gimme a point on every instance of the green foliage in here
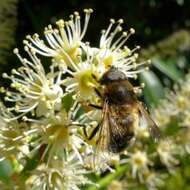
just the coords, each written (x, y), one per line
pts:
(153, 90)
(6, 170)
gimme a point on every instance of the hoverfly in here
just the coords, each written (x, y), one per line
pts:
(121, 113)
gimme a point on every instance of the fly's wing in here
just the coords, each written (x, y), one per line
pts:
(120, 127)
(116, 129)
(103, 136)
(153, 128)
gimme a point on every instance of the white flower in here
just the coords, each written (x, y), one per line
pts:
(84, 80)
(94, 62)
(176, 104)
(162, 114)
(64, 174)
(167, 151)
(154, 180)
(113, 52)
(56, 135)
(35, 90)
(139, 162)
(13, 140)
(64, 42)
(100, 161)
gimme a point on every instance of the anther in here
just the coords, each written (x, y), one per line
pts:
(50, 26)
(124, 34)
(60, 23)
(24, 118)
(28, 37)
(26, 48)
(71, 17)
(13, 71)
(25, 42)
(132, 30)
(35, 36)
(112, 20)
(4, 75)
(76, 13)
(119, 28)
(16, 51)
(120, 21)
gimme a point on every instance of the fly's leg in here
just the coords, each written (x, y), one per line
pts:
(95, 106)
(95, 130)
(95, 89)
(93, 133)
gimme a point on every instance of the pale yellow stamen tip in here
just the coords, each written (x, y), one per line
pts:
(124, 34)
(2, 90)
(120, 21)
(24, 118)
(112, 20)
(119, 28)
(87, 43)
(13, 71)
(91, 10)
(132, 30)
(4, 75)
(60, 23)
(25, 42)
(33, 51)
(35, 36)
(50, 27)
(16, 51)
(26, 48)
(71, 17)
(28, 37)
(76, 13)
(88, 10)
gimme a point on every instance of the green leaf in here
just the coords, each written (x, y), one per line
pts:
(168, 67)
(153, 90)
(6, 170)
(67, 102)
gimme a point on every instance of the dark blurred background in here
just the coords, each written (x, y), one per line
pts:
(152, 19)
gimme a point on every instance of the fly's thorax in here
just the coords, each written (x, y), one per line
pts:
(117, 93)
(112, 75)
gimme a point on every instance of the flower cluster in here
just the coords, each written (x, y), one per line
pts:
(48, 117)
(175, 105)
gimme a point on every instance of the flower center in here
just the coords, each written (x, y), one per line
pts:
(86, 81)
(58, 133)
(68, 56)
